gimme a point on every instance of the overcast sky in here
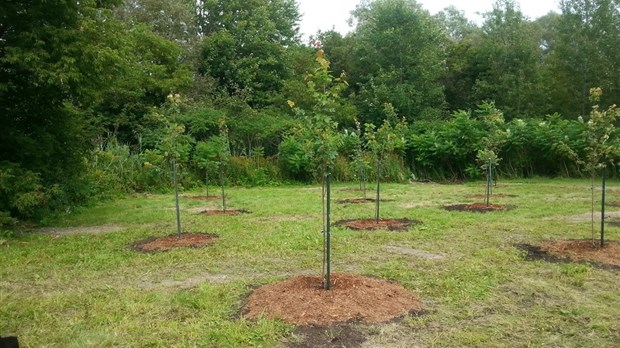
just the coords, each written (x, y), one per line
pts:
(328, 14)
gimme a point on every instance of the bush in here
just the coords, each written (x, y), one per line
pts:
(248, 171)
(22, 194)
(293, 159)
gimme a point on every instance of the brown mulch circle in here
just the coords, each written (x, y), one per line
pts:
(578, 251)
(371, 224)
(337, 335)
(203, 198)
(494, 195)
(477, 207)
(187, 240)
(361, 200)
(613, 204)
(226, 212)
(303, 301)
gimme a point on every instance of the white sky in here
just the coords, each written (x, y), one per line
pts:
(328, 14)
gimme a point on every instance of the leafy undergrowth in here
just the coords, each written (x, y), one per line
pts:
(93, 290)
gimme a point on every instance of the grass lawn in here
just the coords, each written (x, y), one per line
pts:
(92, 290)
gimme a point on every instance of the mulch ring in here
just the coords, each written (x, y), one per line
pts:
(493, 195)
(225, 212)
(187, 240)
(477, 207)
(361, 200)
(579, 251)
(371, 224)
(203, 198)
(303, 301)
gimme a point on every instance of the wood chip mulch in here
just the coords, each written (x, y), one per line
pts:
(303, 301)
(188, 240)
(584, 250)
(371, 224)
(226, 212)
(477, 207)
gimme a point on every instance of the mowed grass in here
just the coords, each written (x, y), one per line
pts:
(93, 290)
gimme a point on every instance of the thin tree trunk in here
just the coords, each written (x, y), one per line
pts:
(328, 235)
(377, 193)
(488, 192)
(603, 209)
(222, 185)
(176, 195)
(323, 231)
(207, 181)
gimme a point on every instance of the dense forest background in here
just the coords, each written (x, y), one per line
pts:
(97, 96)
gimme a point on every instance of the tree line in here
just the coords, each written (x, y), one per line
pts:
(86, 90)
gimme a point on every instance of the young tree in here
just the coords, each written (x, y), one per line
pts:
(321, 140)
(382, 142)
(601, 149)
(222, 146)
(359, 163)
(496, 135)
(170, 144)
(205, 158)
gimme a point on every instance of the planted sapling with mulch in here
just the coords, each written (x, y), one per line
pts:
(580, 251)
(214, 155)
(187, 240)
(477, 207)
(386, 140)
(303, 301)
(602, 150)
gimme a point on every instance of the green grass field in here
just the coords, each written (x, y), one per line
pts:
(93, 290)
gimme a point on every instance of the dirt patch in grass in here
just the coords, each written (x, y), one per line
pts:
(61, 231)
(186, 240)
(495, 195)
(303, 301)
(613, 204)
(585, 250)
(417, 204)
(414, 252)
(188, 282)
(477, 207)
(586, 217)
(361, 200)
(225, 212)
(580, 251)
(371, 224)
(203, 198)
(338, 335)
